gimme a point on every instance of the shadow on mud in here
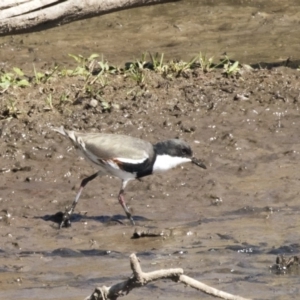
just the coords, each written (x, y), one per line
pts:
(293, 64)
(120, 219)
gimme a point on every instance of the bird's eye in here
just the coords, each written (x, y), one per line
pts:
(184, 151)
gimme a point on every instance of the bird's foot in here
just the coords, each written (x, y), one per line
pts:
(129, 216)
(123, 204)
(132, 222)
(66, 219)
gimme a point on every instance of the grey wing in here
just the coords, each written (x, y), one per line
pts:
(123, 148)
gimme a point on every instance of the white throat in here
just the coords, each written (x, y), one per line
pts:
(166, 162)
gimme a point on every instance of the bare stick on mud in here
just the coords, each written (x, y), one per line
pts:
(139, 279)
(25, 15)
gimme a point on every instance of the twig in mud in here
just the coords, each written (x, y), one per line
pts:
(139, 279)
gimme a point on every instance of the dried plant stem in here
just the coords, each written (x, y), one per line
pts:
(140, 278)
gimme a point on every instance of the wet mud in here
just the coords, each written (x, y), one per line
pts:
(224, 225)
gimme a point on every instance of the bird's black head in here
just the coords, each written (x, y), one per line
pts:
(175, 148)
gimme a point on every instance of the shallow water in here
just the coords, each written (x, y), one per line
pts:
(248, 31)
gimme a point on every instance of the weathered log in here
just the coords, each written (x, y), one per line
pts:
(140, 278)
(19, 16)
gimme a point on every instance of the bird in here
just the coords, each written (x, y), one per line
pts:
(126, 158)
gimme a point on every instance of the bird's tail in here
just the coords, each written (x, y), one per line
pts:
(68, 133)
(60, 130)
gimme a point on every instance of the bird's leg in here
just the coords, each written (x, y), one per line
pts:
(66, 222)
(123, 203)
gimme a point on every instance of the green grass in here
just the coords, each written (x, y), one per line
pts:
(92, 74)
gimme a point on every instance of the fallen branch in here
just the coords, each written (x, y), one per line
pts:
(23, 16)
(139, 279)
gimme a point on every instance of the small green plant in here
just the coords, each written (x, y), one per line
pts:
(101, 76)
(82, 68)
(158, 65)
(106, 106)
(65, 72)
(37, 75)
(136, 73)
(81, 60)
(64, 98)
(231, 68)
(136, 70)
(49, 104)
(43, 77)
(181, 67)
(13, 79)
(102, 79)
(100, 66)
(11, 110)
(206, 64)
(88, 67)
(140, 64)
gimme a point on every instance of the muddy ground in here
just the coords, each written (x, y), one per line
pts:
(224, 225)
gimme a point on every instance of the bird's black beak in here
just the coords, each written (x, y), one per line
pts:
(198, 162)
